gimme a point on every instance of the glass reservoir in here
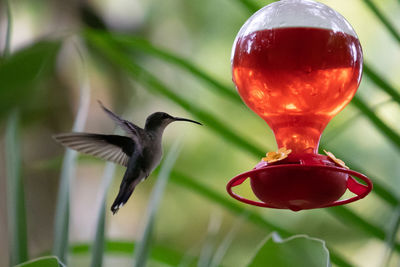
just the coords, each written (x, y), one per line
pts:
(297, 63)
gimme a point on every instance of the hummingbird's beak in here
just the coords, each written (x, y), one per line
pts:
(183, 119)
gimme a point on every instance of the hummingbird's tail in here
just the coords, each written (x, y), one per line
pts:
(124, 193)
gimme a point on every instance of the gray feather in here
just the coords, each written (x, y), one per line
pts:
(114, 148)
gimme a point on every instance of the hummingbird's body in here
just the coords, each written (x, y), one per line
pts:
(140, 151)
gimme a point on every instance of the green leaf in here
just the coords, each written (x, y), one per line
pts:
(381, 83)
(377, 122)
(341, 126)
(21, 71)
(99, 240)
(48, 261)
(143, 45)
(344, 213)
(385, 21)
(15, 194)
(142, 251)
(250, 5)
(61, 223)
(299, 250)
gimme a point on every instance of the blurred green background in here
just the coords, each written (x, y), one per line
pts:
(46, 85)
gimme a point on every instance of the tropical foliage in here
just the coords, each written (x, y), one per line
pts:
(145, 56)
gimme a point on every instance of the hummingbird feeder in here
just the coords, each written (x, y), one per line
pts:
(297, 63)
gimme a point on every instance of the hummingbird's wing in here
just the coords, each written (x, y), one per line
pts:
(115, 148)
(133, 130)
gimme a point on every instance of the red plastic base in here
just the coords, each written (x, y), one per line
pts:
(302, 181)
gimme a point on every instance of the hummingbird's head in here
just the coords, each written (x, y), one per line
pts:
(160, 120)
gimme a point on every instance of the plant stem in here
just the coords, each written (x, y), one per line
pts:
(15, 194)
(390, 239)
(6, 52)
(61, 224)
(99, 241)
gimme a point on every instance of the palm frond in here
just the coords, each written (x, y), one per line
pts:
(383, 19)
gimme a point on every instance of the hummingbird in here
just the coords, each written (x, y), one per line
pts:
(140, 151)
